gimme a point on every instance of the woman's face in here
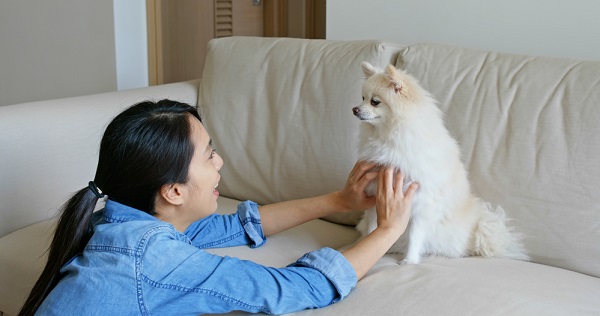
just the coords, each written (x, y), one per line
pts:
(203, 175)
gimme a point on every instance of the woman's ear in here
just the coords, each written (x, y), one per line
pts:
(172, 193)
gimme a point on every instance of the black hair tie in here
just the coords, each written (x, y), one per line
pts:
(94, 188)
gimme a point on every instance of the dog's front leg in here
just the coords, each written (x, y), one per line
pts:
(416, 243)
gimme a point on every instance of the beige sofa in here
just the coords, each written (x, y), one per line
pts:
(279, 113)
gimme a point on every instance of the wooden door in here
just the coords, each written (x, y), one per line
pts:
(295, 18)
(179, 30)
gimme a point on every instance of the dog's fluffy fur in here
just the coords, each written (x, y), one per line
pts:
(403, 127)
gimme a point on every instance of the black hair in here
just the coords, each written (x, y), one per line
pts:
(143, 148)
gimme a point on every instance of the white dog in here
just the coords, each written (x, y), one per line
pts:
(404, 128)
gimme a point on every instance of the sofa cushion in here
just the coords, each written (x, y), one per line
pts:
(465, 286)
(279, 112)
(438, 286)
(24, 254)
(528, 130)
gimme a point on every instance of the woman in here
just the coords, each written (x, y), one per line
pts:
(142, 254)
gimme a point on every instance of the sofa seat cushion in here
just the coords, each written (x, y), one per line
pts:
(22, 259)
(466, 286)
(438, 286)
(471, 286)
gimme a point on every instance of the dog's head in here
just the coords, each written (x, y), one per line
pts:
(385, 94)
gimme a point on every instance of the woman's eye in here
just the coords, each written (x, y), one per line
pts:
(375, 102)
(212, 154)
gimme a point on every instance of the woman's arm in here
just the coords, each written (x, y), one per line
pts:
(278, 217)
(393, 212)
(196, 282)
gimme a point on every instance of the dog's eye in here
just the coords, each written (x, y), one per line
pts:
(363, 98)
(375, 102)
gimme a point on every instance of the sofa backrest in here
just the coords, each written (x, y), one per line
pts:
(49, 149)
(279, 112)
(529, 131)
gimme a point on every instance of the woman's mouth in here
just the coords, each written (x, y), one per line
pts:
(215, 192)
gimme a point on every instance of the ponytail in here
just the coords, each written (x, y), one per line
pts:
(73, 232)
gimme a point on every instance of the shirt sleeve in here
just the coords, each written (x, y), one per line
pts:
(184, 279)
(334, 266)
(219, 231)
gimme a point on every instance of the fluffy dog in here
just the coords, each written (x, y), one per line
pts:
(403, 127)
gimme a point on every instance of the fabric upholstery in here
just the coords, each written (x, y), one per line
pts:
(279, 112)
(286, 104)
(528, 130)
(22, 260)
(50, 148)
(466, 286)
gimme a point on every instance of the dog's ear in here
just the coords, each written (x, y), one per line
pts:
(368, 69)
(392, 76)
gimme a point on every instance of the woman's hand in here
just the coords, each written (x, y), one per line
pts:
(393, 213)
(353, 194)
(393, 206)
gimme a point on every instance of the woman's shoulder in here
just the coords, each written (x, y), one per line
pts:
(133, 236)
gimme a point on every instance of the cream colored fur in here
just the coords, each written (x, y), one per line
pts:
(403, 127)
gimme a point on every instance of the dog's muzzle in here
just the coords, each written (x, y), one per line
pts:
(356, 111)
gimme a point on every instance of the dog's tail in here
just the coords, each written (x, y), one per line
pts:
(494, 238)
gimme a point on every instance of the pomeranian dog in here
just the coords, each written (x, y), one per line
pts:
(403, 127)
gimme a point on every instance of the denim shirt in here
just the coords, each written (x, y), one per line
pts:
(136, 264)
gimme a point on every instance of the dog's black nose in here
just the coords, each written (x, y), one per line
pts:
(355, 110)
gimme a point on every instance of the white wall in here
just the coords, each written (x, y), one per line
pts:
(568, 29)
(54, 49)
(131, 43)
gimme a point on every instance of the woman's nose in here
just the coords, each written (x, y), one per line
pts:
(218, 161)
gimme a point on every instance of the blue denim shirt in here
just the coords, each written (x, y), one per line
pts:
(137, 264)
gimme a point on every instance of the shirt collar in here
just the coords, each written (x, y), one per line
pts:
(117, 212)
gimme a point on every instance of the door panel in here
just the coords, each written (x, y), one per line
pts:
(248, 18)
(179, 30)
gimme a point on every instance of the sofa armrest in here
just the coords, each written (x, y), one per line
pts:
(49, 149)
